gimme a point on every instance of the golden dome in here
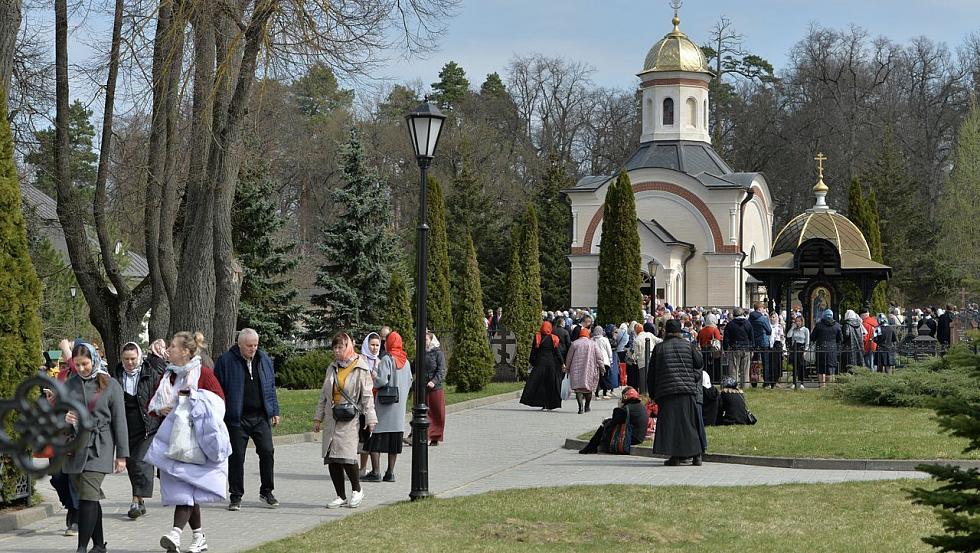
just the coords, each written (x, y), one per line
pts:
(828, 225)
(676, 52)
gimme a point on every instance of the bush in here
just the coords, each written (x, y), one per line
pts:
(918, 385)
(305, 371)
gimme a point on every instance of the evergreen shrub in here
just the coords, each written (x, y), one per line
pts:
(919, 385)
(304, 371)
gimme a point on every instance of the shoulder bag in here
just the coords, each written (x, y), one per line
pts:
(345, 411)
(388, 394)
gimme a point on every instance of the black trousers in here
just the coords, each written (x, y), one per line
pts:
(256, 428)
(140, 472)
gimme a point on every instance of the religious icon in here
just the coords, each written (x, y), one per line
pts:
(819, 302)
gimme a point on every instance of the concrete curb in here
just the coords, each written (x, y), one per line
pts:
(801, 463)
(15, 520)
(305, 437)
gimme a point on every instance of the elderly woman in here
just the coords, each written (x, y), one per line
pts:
(187, 485)
(584, 363)
(601, 336)
(630, 411)
(107, 446)
(393, 369)
(434, 373)
(675, 384)
(887, 341)
(346, 393)
(543, 388)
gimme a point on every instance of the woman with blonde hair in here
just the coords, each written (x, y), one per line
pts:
(346, 394)
(187, 383)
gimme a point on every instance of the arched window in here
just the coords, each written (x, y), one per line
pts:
(706, 114)
(668, 112)
(649, 113)
(692, 111)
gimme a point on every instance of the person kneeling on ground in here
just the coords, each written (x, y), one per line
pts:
(630, 410)
(732, 408)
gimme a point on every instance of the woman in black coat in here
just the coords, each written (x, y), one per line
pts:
(826, 338)
(543, 388)
(631, 410)
(732, 409)
(674, 380)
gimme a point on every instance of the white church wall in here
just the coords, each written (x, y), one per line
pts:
(585, 275)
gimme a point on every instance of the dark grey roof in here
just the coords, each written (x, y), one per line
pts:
(660, 232)
(591, 182)
(46, 208)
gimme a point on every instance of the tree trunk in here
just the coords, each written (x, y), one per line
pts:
(10, 15)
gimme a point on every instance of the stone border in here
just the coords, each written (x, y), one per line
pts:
(803, 463)
(17, 519)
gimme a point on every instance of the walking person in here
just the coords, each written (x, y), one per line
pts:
(345, 394)
(675, 384)
(251, 412)
(186, 485)
(434, 373)
(543, 388)
(564, 340)
(798, 341)
(372, 350)
(106, 447)
(393, 369)
(584, 364)
(138, 380)
(826, 337)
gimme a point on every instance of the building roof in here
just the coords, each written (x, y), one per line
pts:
(675, 52)
(46, 208)
(828, 225)
(661, 233)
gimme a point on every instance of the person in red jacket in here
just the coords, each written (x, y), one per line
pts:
(870, 325)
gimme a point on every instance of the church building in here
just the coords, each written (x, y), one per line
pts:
(700, 222)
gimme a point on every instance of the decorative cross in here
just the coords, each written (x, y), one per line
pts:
(820, 159)
(676, 4)
(503, 338)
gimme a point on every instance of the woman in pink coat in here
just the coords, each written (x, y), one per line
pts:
(584, 364)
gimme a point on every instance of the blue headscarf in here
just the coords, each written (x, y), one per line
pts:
(97, 365)
(828, 315)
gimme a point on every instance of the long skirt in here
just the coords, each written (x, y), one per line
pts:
(543, 388)
(436, 400)
(680, 430)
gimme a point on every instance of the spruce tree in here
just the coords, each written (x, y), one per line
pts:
(960, 206)
(354, 277)
(471, 364)
(957, 500)
(493, 86)
(267, 301)
(439, 298)
(20, 289)
(516, 308)
(879, 304)
(530, 255)
(81, 155)
(399, 314)
(857, 213)
(452, 86)
(619, 256)
(555, 231)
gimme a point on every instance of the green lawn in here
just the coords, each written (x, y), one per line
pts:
(814, 424)
(853, 517)
(297, 406)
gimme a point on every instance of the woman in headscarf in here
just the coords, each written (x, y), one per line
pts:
(434, 373)
(543, 388)
(157, 356)
(630, 411)
(372, 350)
(852, 352)
(138, 380)
(584, 363)
(826, 337)
(106, 447)
(599, 335)
(887, 341)
(641, 352)
(709, 340)
(675, 384)
(392, 370)
(183, 484)
(622, 340)
(347, 382)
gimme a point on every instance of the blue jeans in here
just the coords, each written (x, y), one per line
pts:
(869, 360)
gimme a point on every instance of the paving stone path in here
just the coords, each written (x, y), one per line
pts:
(500, 446)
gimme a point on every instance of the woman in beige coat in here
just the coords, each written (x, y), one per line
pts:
(348, 380)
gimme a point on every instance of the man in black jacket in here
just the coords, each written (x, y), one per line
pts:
(738, 339)
(563, 339)
(943, 328)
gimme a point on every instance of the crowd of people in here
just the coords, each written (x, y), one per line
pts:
(176, 415)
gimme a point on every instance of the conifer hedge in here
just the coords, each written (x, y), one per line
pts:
(619, 283)
(471, 364)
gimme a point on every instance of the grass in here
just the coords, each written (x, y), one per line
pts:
(297, 406)
(813, 424)
(853, 517)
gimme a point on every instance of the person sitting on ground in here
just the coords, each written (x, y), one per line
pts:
(732, 407)
(630, 410)
(709, 409)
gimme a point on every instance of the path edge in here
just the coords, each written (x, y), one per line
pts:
(18, 519)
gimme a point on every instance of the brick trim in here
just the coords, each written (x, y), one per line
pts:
(676, 81)
(698, 203)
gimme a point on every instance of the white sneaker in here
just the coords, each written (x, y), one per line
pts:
(355, 499)
(339, 502)
(199, 544)
(171, 541)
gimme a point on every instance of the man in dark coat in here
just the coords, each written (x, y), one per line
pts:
(563, 338)
(761, 331)
(674, 380)
(826, 337)
(928, 322)
(943, 327)
(251, 410)
(738, 339)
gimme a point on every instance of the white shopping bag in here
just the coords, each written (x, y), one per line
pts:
(183, 439)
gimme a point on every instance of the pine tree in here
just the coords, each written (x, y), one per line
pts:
(452, 86)
(960, 206)
(530, 254)
(267, 301)
(493, 86)
(956, 500)
(399, 313)
(354, 277)
(471, 365)
(439, 297)
(20, 290)
(857, 213)
(619, 256)
(556, 222)
(516, 307)
(81, 156)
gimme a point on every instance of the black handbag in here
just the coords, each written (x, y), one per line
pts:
(388, 394)
(345, 411)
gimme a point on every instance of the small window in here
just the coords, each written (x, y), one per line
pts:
(668, 112)
(649, 112)
(692, 111)
(706, 114)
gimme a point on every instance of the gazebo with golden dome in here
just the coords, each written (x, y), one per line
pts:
(815, 252)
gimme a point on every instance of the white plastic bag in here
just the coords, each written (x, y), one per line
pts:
(183, 439)
(566, 388)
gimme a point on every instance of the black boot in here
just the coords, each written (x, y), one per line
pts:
(672, 462)
(578, 399)
(696, 460)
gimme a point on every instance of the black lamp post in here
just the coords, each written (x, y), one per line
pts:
(74, 323)
(652, 267)
(424, 127)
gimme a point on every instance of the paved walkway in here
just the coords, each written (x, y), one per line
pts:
(505, 445)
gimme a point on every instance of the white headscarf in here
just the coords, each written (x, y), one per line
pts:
(187, 376)
(97, 365)
(371, 359)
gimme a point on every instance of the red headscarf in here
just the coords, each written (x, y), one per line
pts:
(348, 352)
(584, 333)
(394, 348)
(545, 331)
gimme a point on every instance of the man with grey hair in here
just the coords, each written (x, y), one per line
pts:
(251, 410)
(738, 339)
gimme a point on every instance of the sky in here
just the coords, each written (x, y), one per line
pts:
(614, 35)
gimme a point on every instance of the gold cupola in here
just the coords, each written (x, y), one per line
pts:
(675, 52)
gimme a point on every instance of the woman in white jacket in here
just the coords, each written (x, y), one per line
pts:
(605, 348)
(797, 341)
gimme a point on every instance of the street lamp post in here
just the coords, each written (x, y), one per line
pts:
(652, 270)
(424, 127)
(74, 323)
